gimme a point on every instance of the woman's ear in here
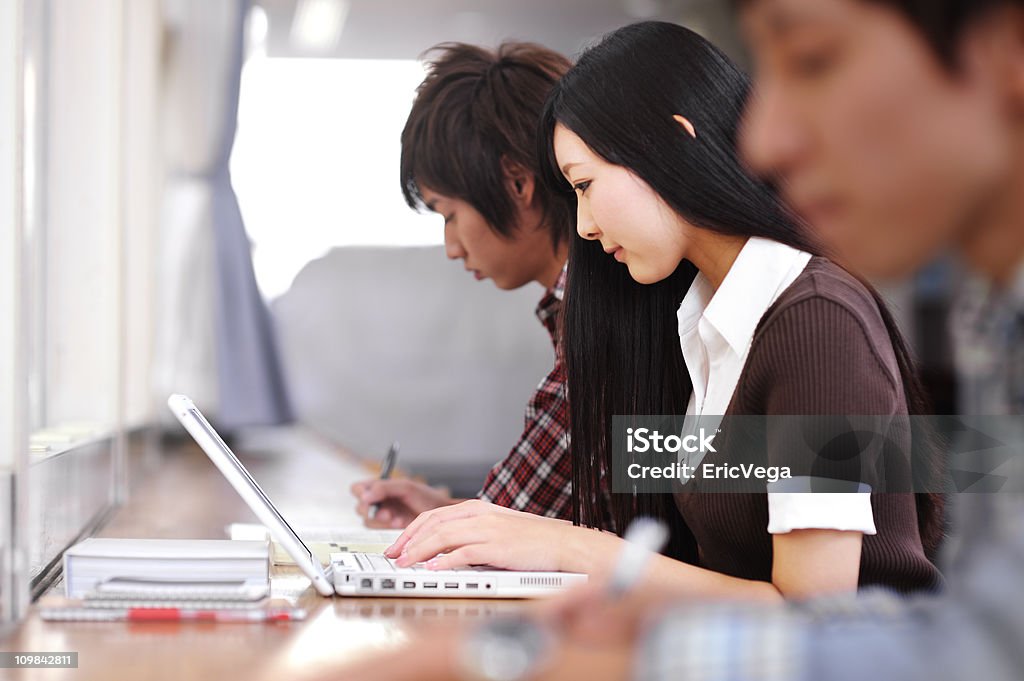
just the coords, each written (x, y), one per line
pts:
(685, 122)
(519, 182)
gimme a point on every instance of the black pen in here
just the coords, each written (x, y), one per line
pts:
(386, 467)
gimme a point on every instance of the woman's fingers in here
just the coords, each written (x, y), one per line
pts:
(474, 554)
(426, 523)
(396, 549)
(501, 537)
(448, 537)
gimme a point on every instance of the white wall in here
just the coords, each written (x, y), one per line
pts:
(11, 430)
(82, 221)
(13, 433)
(143, 180)
(83, 277)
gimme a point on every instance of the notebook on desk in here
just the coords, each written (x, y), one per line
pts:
(355, 573)
(186, 564)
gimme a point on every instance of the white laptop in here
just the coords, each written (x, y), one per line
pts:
(362, 574)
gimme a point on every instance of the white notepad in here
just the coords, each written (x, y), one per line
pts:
(174, 561)
(322, 540)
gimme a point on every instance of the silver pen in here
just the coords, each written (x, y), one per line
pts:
(644, 538)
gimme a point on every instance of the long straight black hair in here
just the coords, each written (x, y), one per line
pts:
(621, 339)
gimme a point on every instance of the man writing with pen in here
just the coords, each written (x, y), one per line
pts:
(469, 154)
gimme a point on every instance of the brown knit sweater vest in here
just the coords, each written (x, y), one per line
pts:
(822, 348)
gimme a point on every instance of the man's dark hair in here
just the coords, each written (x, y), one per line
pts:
(943, 22)
(475, 108)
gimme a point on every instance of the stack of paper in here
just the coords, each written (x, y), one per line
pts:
(322, 540)
(174, 561)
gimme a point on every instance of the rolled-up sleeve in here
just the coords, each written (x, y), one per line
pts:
(788, 511)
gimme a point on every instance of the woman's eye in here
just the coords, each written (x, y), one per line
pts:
(581, 186)
(448, 218)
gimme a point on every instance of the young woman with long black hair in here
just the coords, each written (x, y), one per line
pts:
(725, 306)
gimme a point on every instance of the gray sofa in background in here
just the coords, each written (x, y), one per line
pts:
(382, 344)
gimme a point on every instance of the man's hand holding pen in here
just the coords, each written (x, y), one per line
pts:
(392, 503)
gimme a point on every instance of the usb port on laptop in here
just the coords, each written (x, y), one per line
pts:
(451, 585)
(429, 585)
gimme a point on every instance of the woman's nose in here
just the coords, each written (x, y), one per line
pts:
(585, 225)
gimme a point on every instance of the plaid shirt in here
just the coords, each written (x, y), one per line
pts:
(724, 643)
(536, 476)
(987, 324)
(972, 631)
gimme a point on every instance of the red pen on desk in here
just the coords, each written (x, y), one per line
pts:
(169, 615)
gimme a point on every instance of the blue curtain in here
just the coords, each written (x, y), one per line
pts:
(251, 384)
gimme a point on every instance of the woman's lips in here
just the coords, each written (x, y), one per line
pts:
(616, 252)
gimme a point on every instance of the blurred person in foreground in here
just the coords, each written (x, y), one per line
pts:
(897, 128)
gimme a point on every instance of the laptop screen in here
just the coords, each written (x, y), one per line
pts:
(201, 420)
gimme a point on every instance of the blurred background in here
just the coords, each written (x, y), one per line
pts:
(201, 196)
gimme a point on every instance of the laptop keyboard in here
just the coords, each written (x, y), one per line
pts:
(374, 562)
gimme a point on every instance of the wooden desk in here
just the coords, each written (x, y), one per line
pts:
(187, 498)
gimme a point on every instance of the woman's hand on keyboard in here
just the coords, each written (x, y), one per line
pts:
(478, 533)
